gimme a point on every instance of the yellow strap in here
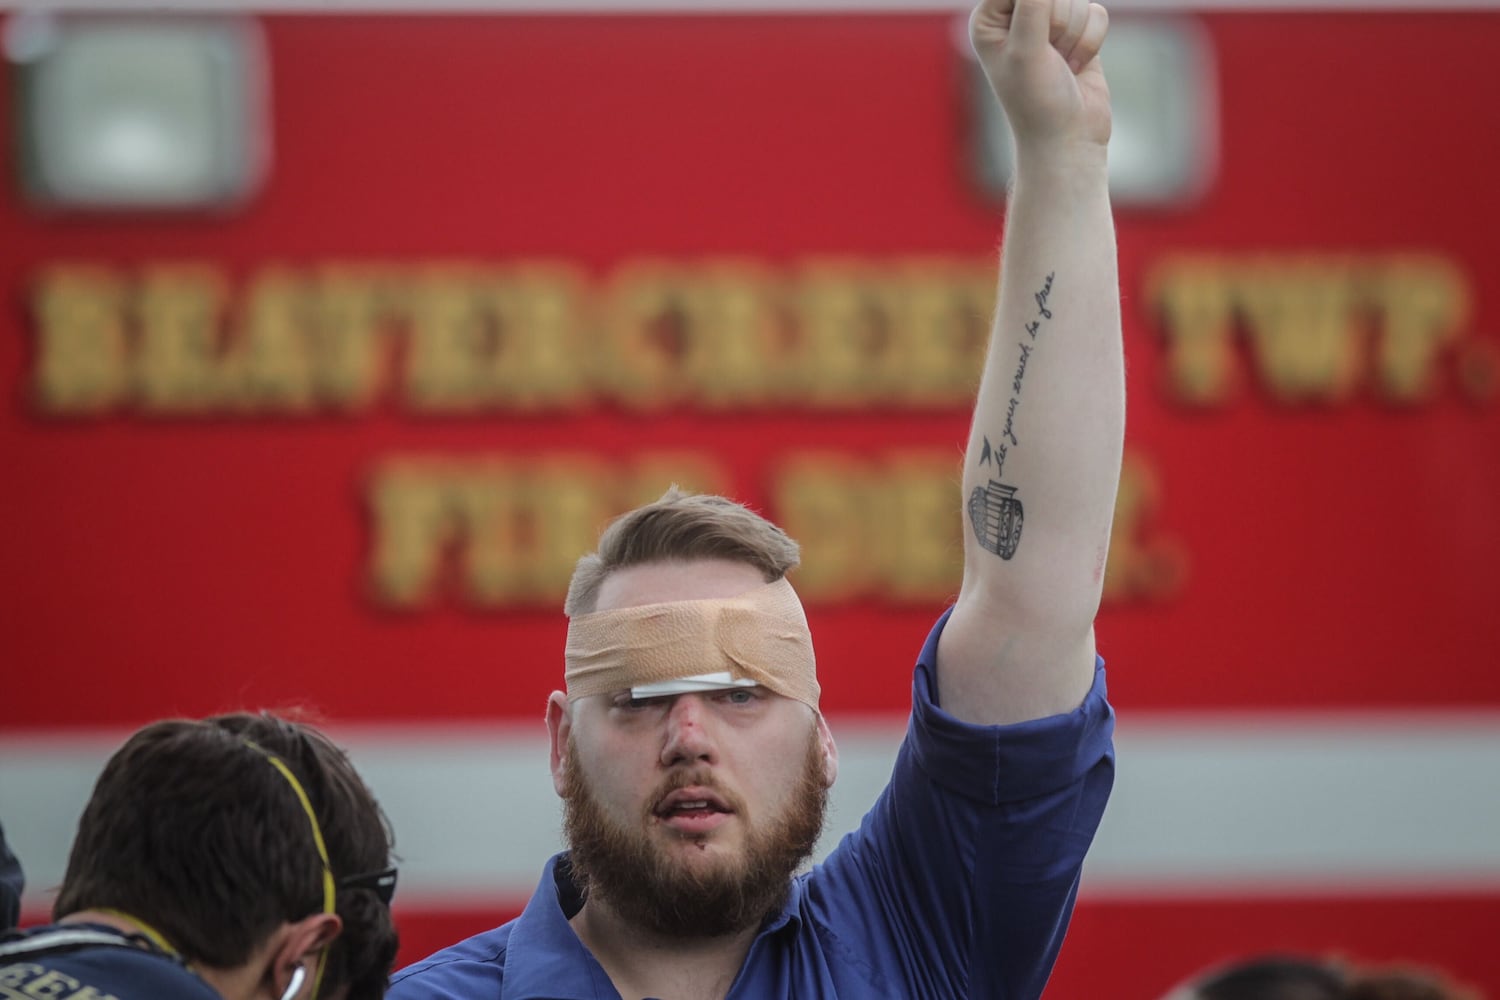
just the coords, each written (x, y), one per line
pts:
(312, 819)
(317, 832)
(151, 934)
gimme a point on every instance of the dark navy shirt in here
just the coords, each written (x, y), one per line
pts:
(958, 883)
(93, 962)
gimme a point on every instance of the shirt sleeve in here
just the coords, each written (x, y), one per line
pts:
(962, 878)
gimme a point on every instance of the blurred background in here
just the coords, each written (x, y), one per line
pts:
(328, 341)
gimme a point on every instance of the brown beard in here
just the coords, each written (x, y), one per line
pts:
(621, 867)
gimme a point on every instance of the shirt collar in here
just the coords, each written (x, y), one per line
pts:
(545, 958)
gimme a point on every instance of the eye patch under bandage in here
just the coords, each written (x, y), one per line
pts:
(761, 636)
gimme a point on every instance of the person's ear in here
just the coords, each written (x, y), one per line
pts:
(299, 949)
(830, 752)
(559, 725)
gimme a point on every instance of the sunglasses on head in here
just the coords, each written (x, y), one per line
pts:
(381, 883)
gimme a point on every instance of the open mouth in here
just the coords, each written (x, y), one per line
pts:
(693, 810)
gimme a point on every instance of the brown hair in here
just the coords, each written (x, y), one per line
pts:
(681, 526)
(191, 829)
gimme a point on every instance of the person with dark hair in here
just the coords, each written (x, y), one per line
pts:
(1297, 977)
(1269, 977)
(359, 851)
(232, 858)
(12, 885)
(689, 747)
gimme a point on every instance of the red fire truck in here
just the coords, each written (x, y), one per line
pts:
(394, 307)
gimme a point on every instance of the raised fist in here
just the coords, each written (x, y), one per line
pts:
(1041, 58)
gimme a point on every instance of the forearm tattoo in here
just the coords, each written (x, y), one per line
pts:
(995, 509)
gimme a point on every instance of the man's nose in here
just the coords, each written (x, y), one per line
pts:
(687, 738)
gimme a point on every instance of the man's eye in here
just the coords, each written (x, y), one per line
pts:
(739, 696)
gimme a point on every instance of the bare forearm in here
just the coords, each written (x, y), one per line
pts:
(1050, 415)
(1043, 457)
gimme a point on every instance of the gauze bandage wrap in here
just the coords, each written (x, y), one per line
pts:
(760, 636)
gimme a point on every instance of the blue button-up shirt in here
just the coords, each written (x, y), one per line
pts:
(958, 883)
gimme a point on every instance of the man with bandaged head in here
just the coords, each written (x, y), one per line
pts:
(689, 746)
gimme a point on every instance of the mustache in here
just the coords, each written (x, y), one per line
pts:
(693, 777)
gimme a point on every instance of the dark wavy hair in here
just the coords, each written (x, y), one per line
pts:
(1294, 977)
(191, 829)
(1275, 977)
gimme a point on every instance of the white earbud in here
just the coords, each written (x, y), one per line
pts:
(298, 975)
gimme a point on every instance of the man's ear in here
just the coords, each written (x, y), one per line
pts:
(300, 946)
(830, 752)
(559, 725)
